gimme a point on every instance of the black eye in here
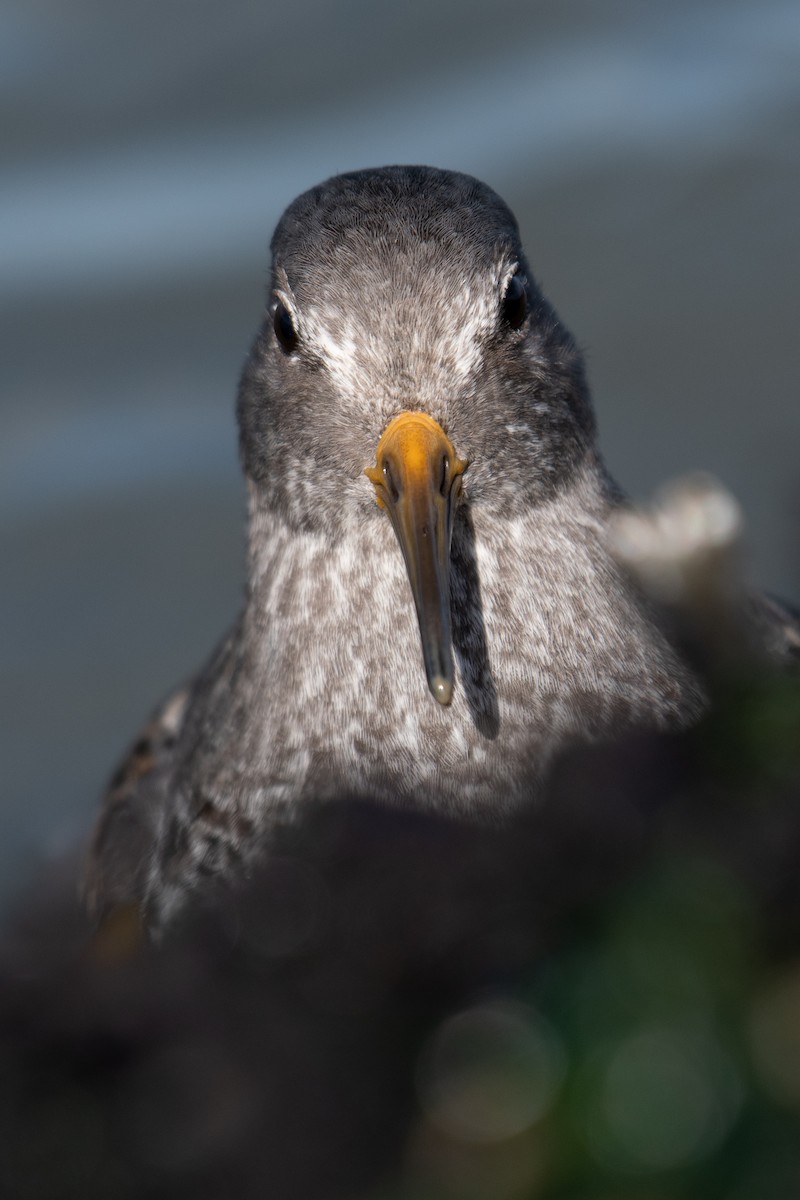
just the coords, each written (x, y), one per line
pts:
(284, 328)
(515, 301)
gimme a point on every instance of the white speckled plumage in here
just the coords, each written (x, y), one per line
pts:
(394, 282)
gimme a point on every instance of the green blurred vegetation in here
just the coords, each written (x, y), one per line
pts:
(674, 1018)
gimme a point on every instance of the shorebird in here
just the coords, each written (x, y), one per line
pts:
(433, 608)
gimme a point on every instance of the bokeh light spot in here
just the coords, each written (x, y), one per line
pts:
(490, 1072)
(668, 1098)
(775, 1032)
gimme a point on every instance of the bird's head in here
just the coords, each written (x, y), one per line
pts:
(407, 356)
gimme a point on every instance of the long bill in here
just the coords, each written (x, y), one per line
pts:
(417, 479)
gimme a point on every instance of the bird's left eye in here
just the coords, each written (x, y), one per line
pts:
(284, 327)
(515, 301)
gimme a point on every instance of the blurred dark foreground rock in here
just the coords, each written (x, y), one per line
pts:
(601, 1000)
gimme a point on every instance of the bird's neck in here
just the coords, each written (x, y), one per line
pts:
(550, 643)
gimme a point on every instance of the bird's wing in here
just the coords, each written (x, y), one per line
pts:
(780, 623)
(685, 551)
(126, 830)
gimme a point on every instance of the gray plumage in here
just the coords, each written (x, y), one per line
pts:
(390, 292)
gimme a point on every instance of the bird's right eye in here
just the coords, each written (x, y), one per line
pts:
(515, 301)
(284, 328)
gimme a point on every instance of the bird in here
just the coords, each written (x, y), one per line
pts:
(433, 606)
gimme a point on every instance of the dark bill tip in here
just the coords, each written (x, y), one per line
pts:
(441, 689)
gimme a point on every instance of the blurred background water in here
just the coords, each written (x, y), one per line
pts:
(652, 156)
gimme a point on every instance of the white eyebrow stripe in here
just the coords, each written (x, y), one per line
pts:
(505, 276)
(339, 354)
(470, 314)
